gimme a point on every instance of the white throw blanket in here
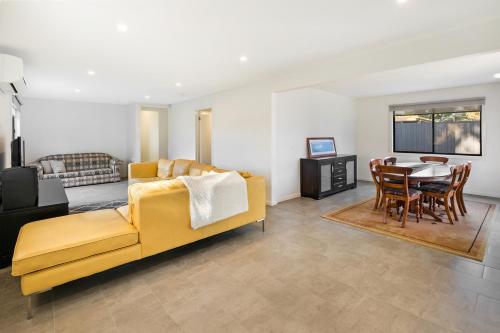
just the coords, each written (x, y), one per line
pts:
(215, 196)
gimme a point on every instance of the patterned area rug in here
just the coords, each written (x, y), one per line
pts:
(97, 206)
(467, 237)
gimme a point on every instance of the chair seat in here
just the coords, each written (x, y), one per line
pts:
(394, 181)
(59, 240)
(435, 187)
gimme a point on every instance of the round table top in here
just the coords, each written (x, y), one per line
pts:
(427, 172)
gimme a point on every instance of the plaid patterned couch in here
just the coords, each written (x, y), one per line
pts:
(83, 168)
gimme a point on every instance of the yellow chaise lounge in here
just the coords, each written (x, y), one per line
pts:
(51, 252)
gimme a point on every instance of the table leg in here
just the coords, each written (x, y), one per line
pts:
(427, 211)
(430, 212)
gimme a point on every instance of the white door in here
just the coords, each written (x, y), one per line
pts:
(150, 136)
(204, 151)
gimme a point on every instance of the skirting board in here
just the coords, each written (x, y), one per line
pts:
(284, 198)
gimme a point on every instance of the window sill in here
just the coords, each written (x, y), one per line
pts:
(451, 157)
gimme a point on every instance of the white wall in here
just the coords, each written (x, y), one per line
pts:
(5, 130)
(182, 127)
(243, 122)
(56, 127)
(306, 113)
(374, 136)
(241, 129)
(134, 133)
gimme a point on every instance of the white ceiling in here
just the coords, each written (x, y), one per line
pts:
(199, 42)
(469, 70)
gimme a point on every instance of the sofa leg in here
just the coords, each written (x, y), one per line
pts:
(29, 304)
(263, 224)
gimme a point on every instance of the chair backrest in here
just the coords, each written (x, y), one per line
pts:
(373, 165)
(468, 166)
(465, 176)
(390, 160)
(438, 159)
(394, 178)
(457, 176)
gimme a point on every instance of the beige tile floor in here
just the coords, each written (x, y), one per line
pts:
(304, 274)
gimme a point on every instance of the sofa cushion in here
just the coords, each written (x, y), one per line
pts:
(199, 169)
(57, 166)
(145, 180)
(181, 168)
(103, 171)
(59, 240)
(46, 167)
(165, 168)
(71, 174)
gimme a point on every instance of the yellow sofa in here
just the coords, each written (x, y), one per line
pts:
(58, 250)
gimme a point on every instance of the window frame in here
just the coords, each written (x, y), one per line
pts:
(433, 145)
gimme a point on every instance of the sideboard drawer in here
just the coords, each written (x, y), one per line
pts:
(337, 172)
(339, 186)
(339, 179)
(339, 164)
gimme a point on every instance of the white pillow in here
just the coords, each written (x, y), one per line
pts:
(58, 166)
(46, 167)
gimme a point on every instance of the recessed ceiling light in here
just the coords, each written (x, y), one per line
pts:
(147, 97)
(91, 72)
(121, 27)
(497, 76)
(178, 84)
(77, 90)
(243, 58)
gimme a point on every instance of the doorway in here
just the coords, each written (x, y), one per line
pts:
(204, 136)
(150, 135)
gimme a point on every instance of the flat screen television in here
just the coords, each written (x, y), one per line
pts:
(16, 148)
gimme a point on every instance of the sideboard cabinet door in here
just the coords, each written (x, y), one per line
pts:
(351, 171)
(326, 178)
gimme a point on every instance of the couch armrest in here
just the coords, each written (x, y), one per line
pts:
(39, 168)
(114, 164)
(142, 170)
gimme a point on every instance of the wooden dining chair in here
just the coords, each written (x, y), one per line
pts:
(390, 160)
(444, 193)
(459, 196)
(458, 186)
(438, 159)
(373, 164)
(395, 188)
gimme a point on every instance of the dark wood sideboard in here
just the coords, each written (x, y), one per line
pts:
(322, 177)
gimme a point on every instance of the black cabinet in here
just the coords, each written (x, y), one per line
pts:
(322, 177)
(52, 202)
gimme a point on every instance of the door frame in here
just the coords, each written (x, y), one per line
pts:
(197, 121)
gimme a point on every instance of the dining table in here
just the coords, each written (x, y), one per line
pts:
(426, 173)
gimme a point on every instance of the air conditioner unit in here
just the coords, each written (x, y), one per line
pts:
(11, 74)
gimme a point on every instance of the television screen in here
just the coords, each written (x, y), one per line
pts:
(16, 152)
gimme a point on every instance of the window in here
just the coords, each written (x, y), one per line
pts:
(441, 129)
